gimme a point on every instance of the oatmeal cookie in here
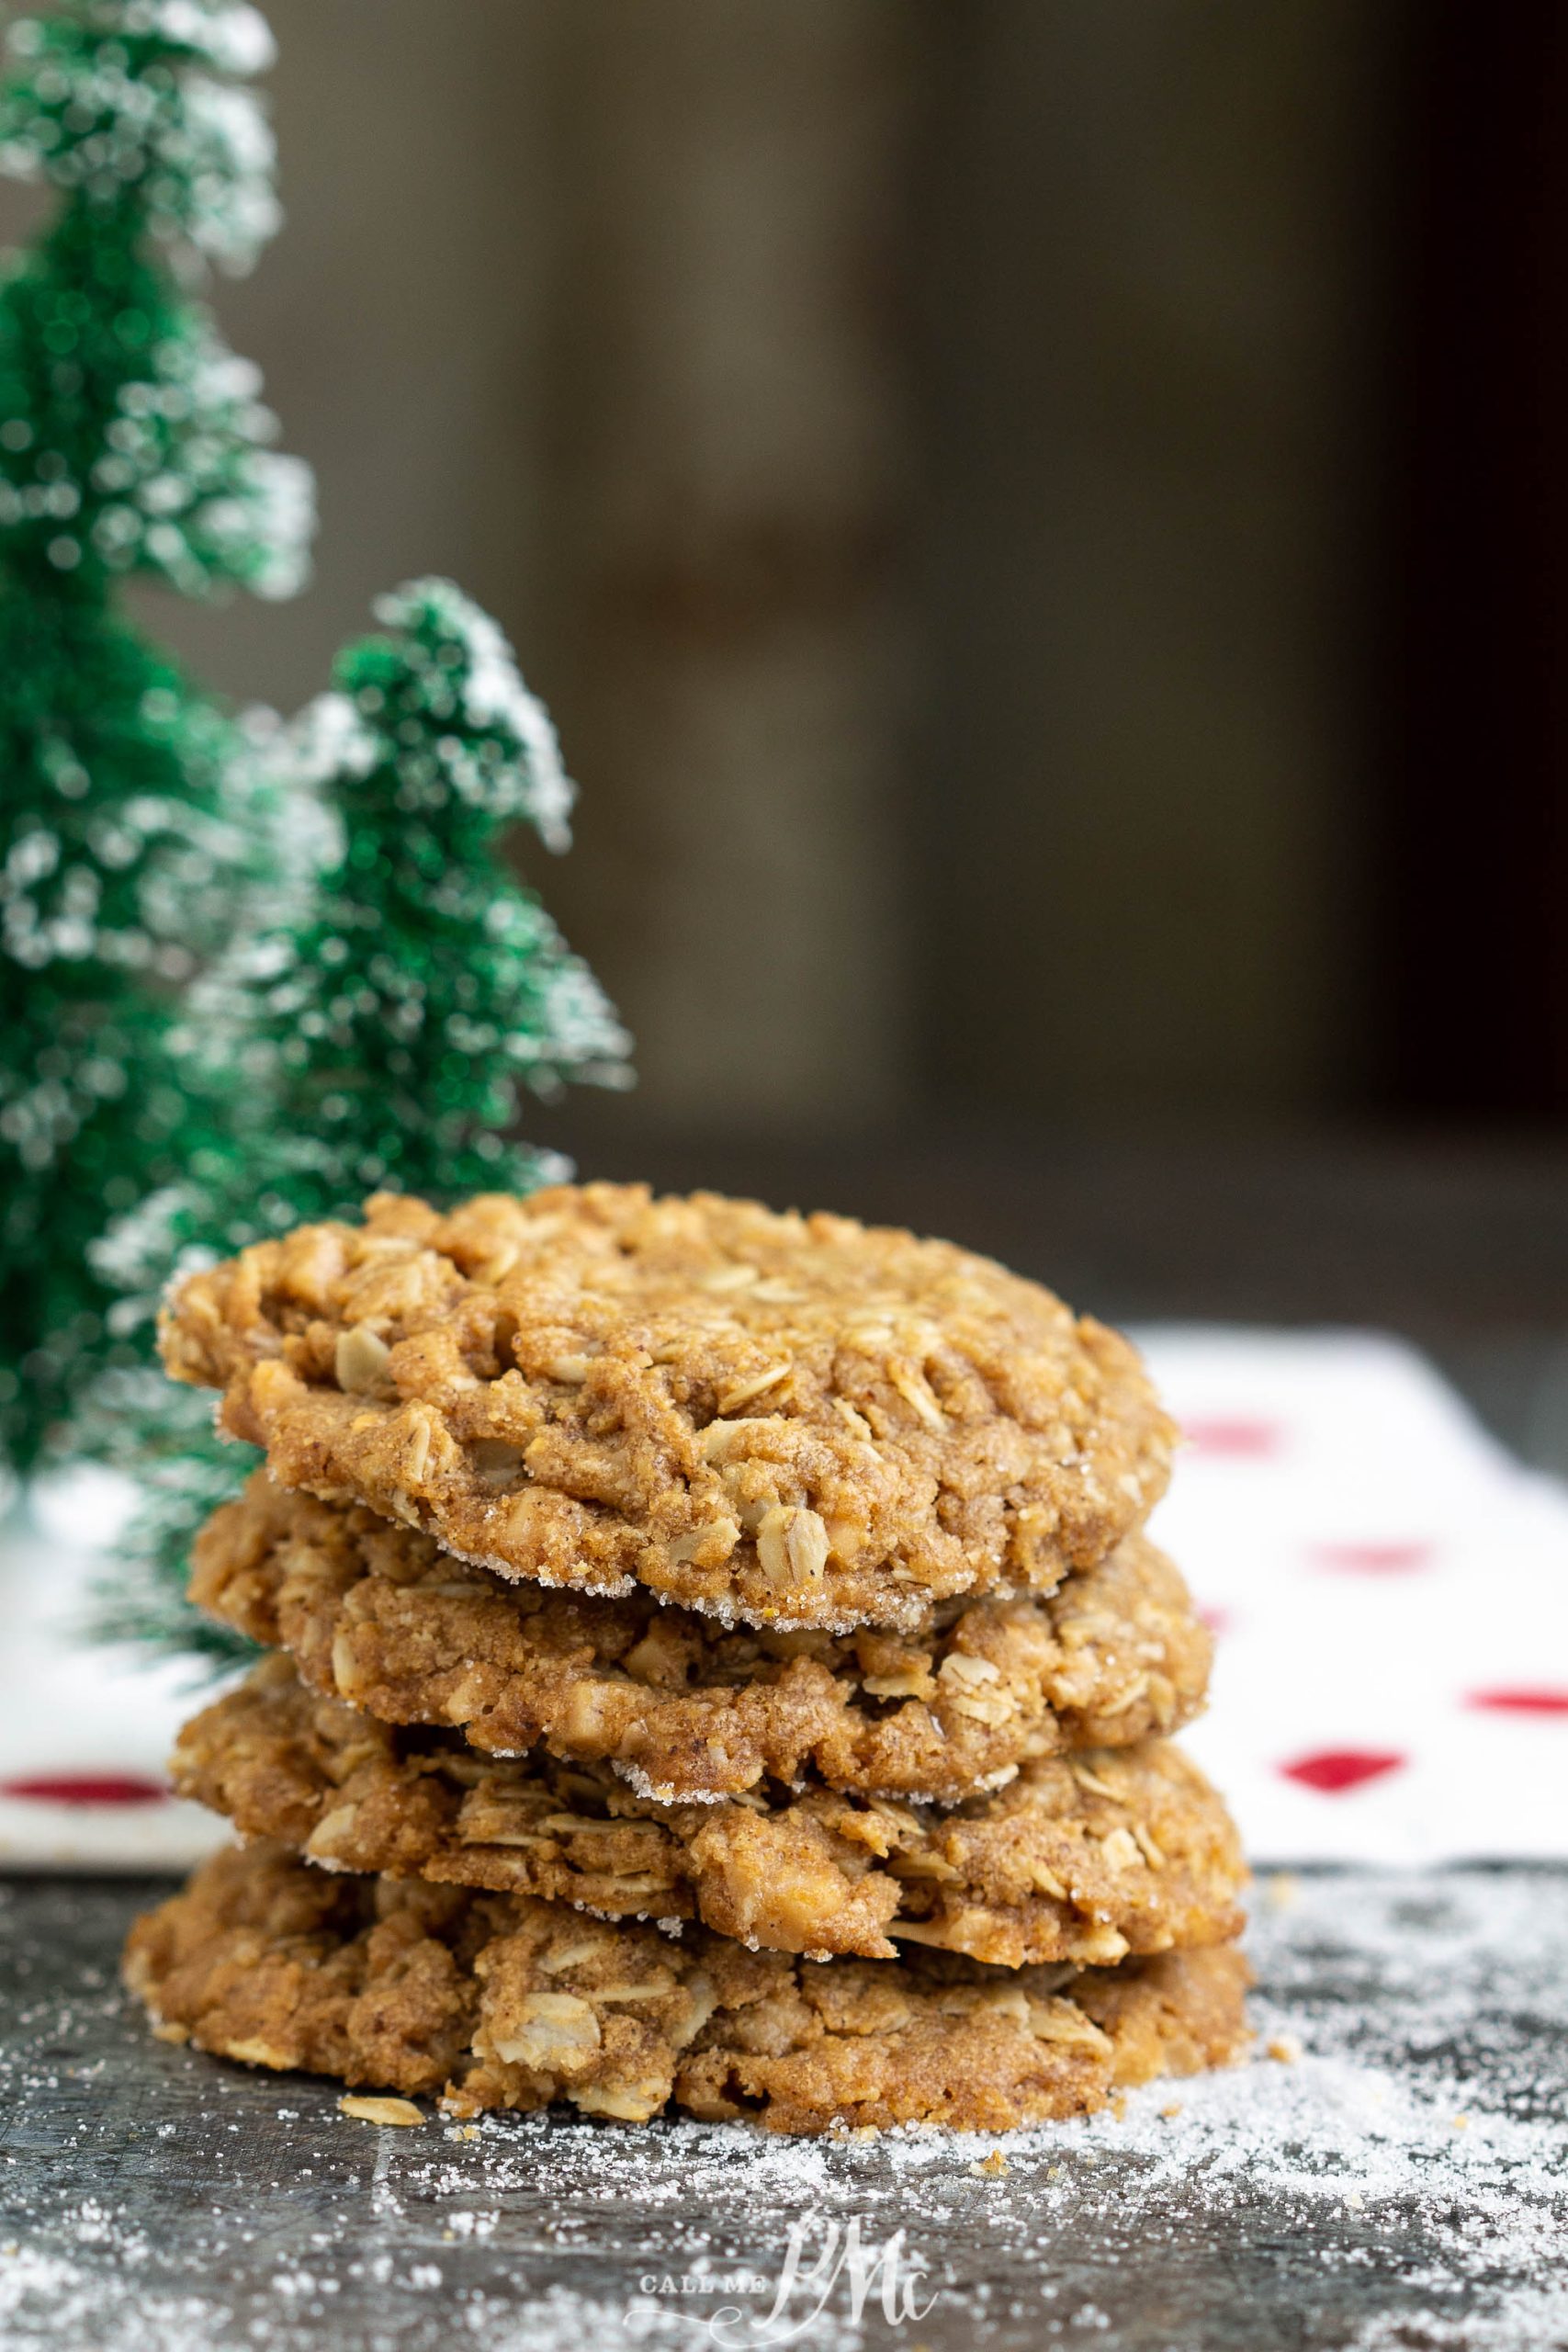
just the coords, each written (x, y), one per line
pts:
(785, 1420)
(502, 2001)
(378, 1615)
(1083, 1858)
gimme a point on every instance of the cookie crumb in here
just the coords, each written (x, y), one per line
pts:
(993, 2166)
(381, 2110)
(1285, 2048)
(1169, 2114)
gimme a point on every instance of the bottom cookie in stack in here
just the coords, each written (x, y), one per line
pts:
(506, 2001)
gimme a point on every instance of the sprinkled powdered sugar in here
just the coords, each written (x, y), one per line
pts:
(1402, 2183)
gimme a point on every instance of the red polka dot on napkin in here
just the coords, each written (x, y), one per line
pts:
(1331, 1770)
(1520, 1702)
(1375, 1559)
(86, 1787)
(1232, 1435)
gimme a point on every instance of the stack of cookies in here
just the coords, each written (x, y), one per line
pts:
(715, 1661)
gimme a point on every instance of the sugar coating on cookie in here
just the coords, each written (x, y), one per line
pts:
(496, 2001)
(1082, 1857)
(377, 1614)
(772, 1418)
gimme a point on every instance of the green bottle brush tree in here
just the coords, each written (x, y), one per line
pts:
(132, 442)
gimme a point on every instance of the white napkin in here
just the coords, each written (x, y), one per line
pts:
(1391, 1593)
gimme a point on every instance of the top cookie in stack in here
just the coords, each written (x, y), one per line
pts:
(775, 1420)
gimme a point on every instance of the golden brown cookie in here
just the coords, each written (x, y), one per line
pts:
(499, 2001)
(1082, 1857)
(378, 1615)
(785, 1420)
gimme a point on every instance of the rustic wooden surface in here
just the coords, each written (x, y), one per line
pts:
(1402, 2183)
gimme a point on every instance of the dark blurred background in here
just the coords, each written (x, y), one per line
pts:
(1045, 531)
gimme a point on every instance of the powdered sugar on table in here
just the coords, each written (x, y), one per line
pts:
(1396, 2175)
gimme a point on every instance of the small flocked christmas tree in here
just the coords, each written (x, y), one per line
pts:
(384, 1040)
(132, 442)
(427, 990)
